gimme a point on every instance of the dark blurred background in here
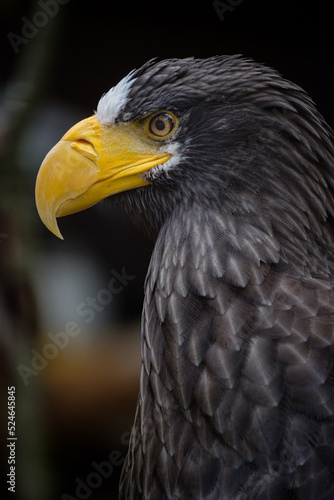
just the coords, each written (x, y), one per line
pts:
(74, 410)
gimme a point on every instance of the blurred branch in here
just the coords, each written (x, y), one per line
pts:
(24, 88)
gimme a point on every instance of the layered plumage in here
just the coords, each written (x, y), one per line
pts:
(237, 393)
(237, 398)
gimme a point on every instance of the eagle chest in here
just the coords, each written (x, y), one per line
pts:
(233, 353)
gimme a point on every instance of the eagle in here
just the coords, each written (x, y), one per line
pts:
(229, 168)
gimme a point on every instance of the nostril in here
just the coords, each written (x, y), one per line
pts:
(85, 147)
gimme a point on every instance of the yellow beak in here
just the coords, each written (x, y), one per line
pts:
(90, 163)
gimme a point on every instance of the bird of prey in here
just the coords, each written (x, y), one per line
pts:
(229, 167)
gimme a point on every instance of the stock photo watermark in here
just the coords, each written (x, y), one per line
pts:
(31, 27)
(103, 470)
(223, 8)
(87, 310)
(286, 462)
(11, 440)
(100, 471)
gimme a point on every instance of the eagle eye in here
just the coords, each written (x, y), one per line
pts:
(161, 125)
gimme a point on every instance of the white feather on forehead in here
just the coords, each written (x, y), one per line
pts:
(114, 100)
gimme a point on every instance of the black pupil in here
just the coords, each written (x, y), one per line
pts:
(160, 124)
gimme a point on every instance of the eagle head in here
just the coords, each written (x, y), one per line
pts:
(221, 132)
